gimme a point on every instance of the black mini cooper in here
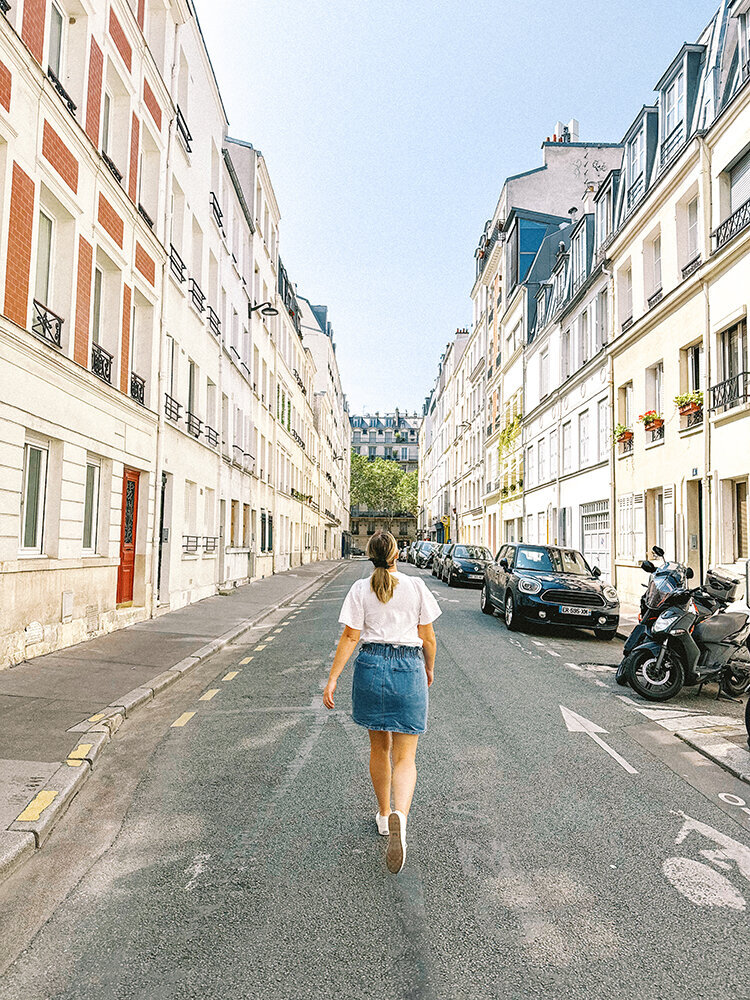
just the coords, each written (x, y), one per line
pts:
(551, 586)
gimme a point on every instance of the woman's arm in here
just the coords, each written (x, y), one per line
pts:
(429, 647)
(347, 643)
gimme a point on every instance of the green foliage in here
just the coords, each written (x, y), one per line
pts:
(408, 493)
(383, 485)
(508, 435)
(619, 430)
(694, 398)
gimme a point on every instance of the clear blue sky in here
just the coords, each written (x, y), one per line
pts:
(388, 129)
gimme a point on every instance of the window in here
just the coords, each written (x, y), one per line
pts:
(692, 229)
(602, 319)
(33, 498)
(91, 507)
(55, 41)
(97, 306)
(603, 416)
(530, 467)
(656, 263)
(583, 338)
(674, 104)
(44, 260)
(579, 258)
(543, 374)
(655, 388)
(553, 453)
(733, 352)
(637, 158)
(106, 121)
(739, 183)
(542, 450)
(583, 430)
(603, 216)
(626, 405)
(567, 436)
(565, 356)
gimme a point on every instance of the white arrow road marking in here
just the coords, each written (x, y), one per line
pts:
(577, 724)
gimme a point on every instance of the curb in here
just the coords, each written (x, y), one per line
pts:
(730, 756)
(20, 840)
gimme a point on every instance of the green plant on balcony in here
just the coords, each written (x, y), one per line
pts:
(509, 434)
(621, 433)
(651, 420)
(689, 402)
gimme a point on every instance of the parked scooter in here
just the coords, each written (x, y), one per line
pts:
(684, 648)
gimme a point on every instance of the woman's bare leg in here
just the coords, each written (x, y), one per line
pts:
(404, 770)
(380, 768)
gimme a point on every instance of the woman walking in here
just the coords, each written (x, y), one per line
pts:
(392, 614)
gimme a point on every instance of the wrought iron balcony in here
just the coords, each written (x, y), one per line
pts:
(626, 446)
(194, 424)
(216, 211)
(694, 419)
(137, 388)
(214, 323)
(626, 324)
(67, 99)
(190, 543)
(112, 166)
(176, 264)
(172, 408)
(101, 363)
(731, 392)
(210, 543)
(732, 226)
(145, 216)
(46, 324)
(692, 265)
(183, 131)
(655, 298)
(4, 6)
(212, 436)
(635, 191)
(196, 295)
(671, 144)
(298, 439)
(657, 434)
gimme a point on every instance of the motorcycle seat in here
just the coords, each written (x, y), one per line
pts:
(720, 627)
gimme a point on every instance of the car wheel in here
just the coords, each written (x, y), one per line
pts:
(485, 601)
(451, 579)
(510, 616)
(605, 634)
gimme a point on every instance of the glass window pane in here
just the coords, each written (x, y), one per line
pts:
(106, 116)
(91, 507)
(43, 259)
(55, 41)
(32, 526)
(97, 320)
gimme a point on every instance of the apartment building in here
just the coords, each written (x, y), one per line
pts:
(157, 412)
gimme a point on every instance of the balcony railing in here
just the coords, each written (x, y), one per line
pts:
(101, 363)
(214, 323)
(210, 543)
(216, 211)
(196, 295)
(67, 99)
(176, 264)
(671, 144)
(190, 543)
(137, 388)
(4, 6)
(655, 298)
(298, 439)
(692, 265)
(194, 424)
(626, 446)
(46, 324)
(693, 419)
(212, 436)
(635, 191)
(172, 408)
(145, 216)
(730, 227)
(657, 434)
(731, 392)
(626, 324)
(112, 167)
(183, 131)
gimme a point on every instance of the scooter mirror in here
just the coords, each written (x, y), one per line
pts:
(689, 573)
(657, 551)
(647, 566)
(596, 572)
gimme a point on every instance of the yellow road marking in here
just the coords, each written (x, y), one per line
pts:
(246, 660)
(183, 719)
(270, 638)
(258, 649)
(73, 763)
(230, 676)
(36, 807)
(97, 718)
(209, 694)
(80, 751)
(277, 630)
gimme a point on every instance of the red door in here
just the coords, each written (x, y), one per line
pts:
(126, 571)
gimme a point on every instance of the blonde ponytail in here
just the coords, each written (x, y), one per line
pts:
(382, 551)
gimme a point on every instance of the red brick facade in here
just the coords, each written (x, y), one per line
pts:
(32, 31)
(61, 158)
(125, 349)
(94, 93)
(141, 13)
(5, 86)
(144, 264)
(110, 220)
(120, 39)
(20, 234)
(149, 99)
(133, 173)
(83, 303)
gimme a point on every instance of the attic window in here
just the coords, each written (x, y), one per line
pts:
(674, 104)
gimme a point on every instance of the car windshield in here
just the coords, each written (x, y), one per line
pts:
(471, 552)
(545, 560)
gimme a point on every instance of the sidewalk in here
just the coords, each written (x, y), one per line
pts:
(59, 711)
(628, 620)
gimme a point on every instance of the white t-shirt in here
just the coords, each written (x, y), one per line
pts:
(394, 623)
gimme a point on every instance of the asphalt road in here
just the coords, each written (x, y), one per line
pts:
(236, 855)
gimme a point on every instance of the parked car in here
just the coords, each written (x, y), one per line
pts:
(403, 553)
(440, 548)
(356, 551)
(465, 564)
(411, 552)
(549, 585)
(424, 554)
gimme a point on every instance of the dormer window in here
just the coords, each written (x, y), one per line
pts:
(674, 104)
(637, 157)
(579, 259)
(603, 216)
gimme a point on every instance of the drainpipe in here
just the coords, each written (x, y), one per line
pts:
(167, 176)
(612, 461)
(710, 516)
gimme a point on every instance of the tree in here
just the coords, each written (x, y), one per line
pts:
(382, 486)
(408, 493)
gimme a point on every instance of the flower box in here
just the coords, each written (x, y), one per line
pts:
(625, 436)
(687, 408)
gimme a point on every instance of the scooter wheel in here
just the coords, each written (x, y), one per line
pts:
(650, 682)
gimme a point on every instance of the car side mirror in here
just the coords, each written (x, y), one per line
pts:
(647, 566)
(596, 572)
(504, 563)
(658, 552)
(689, 573)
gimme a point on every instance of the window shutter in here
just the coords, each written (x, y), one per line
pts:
(639, 527)
(669, 522)
(739, 183)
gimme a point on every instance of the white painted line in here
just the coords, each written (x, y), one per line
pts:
(577, 724)
(537, 643)
(573, 666)
(553, 653)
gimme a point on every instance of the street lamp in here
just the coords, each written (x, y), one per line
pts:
(265, 309)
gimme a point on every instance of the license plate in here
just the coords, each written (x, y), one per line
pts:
(565, 610)
(475, 576)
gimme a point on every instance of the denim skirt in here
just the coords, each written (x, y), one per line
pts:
(389, 690)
